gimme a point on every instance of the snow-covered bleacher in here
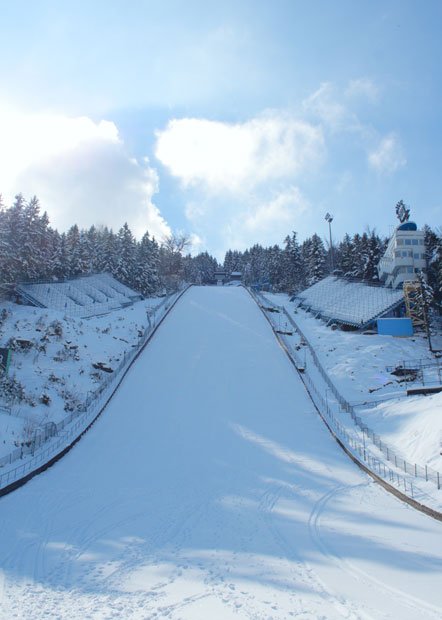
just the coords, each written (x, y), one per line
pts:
(352, 303)
(81, 297)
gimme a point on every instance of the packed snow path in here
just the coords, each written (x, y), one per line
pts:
(211, 489)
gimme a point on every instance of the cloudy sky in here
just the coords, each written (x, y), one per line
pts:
(235, 121)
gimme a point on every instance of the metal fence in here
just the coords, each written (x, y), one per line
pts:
(58, 436)
(421, 371)
(359, 445)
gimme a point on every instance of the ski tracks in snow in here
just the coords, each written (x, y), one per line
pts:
(302, 574)
(406, 605)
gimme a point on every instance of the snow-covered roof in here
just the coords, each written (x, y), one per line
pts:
(352, 303)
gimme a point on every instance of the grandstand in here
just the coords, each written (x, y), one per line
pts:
(350, 303)
(81, 297)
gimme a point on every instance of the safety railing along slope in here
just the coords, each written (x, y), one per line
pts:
(55, 439)
(358, 445)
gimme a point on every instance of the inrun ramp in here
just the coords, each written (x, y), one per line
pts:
(210, 488)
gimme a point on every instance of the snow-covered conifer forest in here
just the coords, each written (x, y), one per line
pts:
(31, 249)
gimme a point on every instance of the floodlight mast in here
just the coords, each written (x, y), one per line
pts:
(329, 219)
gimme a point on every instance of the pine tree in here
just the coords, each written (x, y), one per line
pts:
(233, 261)
(346, 255)
(146, 266)
(4, 243)
(125, 268)
(201, 268)
(90, 248)
(276, 268)
(45, 241)
(14, 236)
(74, 254)
(59, 258)
(433, 255)
(107, 251)
(438, 275)
(359, 255)
(294, 278)
(372, 257)
(315, 259)
(228, 261)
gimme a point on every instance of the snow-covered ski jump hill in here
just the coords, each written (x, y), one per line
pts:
(210, 488)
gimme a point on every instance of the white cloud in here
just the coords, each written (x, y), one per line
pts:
(196, 243)
(240, 177)
(236, 158)
(265, 218)
(267, 221)
(79, 170)
(337, 108)
(343, 182)
(388, 156)
(195, 210)
(363, 88)
(326, 105)
(277, 212)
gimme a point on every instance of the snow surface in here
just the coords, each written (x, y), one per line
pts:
(59, 365)
(357, 365)
(211, 489)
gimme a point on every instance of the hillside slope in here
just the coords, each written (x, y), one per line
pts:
(211, 489)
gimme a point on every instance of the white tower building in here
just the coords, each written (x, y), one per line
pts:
(404, 256)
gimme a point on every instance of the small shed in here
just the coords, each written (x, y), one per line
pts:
(235, 276)
(220, 277)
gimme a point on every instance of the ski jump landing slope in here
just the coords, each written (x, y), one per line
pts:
(210, 489)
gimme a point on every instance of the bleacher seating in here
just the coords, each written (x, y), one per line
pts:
(351, 303)
(81, 297)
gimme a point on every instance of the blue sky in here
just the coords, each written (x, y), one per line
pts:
(236, 122)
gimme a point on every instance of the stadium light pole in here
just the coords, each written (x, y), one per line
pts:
(329, 219)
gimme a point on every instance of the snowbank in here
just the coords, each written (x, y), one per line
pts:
(360, 366)
(58, 362)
